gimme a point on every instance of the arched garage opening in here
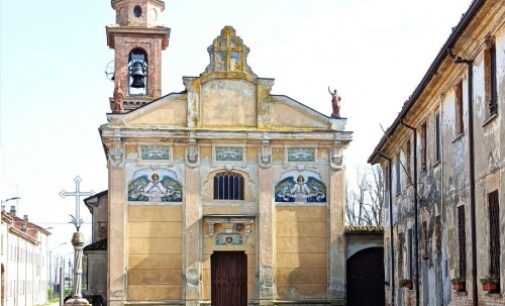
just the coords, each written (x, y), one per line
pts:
(365, 278)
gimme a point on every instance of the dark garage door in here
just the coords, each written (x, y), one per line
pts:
(365, 278)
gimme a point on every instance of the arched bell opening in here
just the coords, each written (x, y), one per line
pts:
(137, 72)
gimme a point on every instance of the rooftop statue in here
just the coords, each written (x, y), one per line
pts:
(335, 103)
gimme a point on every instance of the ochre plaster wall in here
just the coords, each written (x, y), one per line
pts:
(219, 95)
(154, 252)
(301, 252)
(174, 111)
(285, 116)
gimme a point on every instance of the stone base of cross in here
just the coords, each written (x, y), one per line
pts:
(77, 299)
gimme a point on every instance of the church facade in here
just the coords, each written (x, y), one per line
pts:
(222, 194)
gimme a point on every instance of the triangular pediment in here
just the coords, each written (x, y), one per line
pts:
(230, 106)
(168, 111)
(288, 113)
(227, 96)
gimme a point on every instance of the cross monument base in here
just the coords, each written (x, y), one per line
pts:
(77, 299)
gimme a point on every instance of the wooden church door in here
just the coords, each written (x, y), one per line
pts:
(229, 278)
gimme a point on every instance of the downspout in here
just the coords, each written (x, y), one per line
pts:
(471, 153)
(415, 209)
(390, 174)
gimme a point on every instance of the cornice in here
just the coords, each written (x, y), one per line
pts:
(161, 31)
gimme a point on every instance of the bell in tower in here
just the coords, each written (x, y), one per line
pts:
(137, 40)
(137, 69)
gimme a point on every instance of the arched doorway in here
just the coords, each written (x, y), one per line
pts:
(365, 278)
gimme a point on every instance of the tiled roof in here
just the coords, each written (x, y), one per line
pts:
(364, 229)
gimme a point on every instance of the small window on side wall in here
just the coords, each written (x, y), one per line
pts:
(490, 81)
(423, 147)
(437, 137)
(398, 174)
(228, 186)
(458, 105)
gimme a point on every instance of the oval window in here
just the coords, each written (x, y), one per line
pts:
(137, 11)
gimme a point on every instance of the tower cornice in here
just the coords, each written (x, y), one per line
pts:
(160, 31)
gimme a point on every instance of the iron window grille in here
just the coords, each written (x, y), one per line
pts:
(494, 234)
(462, 241)
(228, 186)
(438, 235)
(437, 137)
(423, 147)
(410, 254)
(490, 78)
(458, 91)
(400, 255)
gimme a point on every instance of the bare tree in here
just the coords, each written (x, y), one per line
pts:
(365, 198)
(350, 214)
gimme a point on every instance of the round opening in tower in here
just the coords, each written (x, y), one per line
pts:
(137, 11)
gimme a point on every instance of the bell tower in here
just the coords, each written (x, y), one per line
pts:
(138, 40)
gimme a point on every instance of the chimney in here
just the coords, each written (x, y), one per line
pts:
(25, 217)
(13, 210)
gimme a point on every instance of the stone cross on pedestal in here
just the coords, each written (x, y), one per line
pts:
(77, 194)
(77, 242)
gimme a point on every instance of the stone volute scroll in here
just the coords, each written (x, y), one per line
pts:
(193, 152)
(337, 155)
(265, 154)
(335, 103)
(115, 153)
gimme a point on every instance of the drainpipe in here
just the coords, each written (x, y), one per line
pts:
(415, 209)
(390, 183)
(471, 153)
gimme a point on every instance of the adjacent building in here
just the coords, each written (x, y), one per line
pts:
(444, 160)
(96, 252)
(223, 193)
(24, 261)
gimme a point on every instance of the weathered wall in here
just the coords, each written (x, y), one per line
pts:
(444, 185)
(154, 253)
(173, 113)
(228, 103)
(97, 263)
(301, 252)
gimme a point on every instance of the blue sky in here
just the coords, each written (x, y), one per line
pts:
(54, 93)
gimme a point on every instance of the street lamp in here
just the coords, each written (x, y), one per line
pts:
(7, 200)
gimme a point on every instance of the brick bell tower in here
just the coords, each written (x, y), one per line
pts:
(138, 40)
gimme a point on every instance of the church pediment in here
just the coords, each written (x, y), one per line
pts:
(228, 95)
(168, 111)
(286, 113)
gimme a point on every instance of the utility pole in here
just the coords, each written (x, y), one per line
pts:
(62, 280)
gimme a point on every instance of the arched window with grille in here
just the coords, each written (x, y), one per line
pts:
(228, 186)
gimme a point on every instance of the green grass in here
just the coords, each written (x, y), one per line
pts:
(54, 297)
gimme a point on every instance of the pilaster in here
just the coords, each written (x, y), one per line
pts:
(192, 269)
(337, 244)
(117, 283)
(266, 233)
